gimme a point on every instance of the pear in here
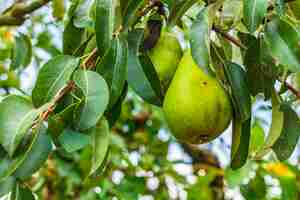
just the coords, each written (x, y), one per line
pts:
(165, 56)
(196, 107)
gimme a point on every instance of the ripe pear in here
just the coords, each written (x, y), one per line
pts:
(196, 107)
(165, 56)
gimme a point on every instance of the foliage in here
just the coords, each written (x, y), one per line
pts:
(95, 106)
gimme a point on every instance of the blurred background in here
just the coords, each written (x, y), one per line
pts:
(145, 161)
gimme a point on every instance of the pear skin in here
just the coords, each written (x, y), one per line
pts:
(196, 106)
(165, 56)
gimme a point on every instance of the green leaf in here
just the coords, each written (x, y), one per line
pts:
(254, 13)
(58, 7)
(255, 189)
(72, 38)
(283, 38)
(178, 9)
(142, 76)
(9, 165)
(96, 99)
(113, 68)
(20, 193)
(280, 7)
(36, 157)
(16, 118)
(288, 139)
(240, 143)
(259, 66)
(276, 125)
(22, 52)
(58, 122)
(7, 185)
(257, 138)
(100, 143)
(200, 41)
(240, 94)
(73, 141)
(53, 76)
(131, 12)
(115, 112)
(294, 7)
(236, 177)
(289, 188)
(84, 13)
(104, 24)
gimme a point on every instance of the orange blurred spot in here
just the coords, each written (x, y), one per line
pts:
(279, 169)
(8, 36)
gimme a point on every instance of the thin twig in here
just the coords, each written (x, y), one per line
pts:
(292, 89)
(89, 62)
(230, 38)
(16, 15)
(67, 88)
(239, 44)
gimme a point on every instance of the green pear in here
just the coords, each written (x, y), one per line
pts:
(196, 106)
(165, 56)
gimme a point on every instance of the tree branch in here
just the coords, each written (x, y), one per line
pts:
(239, 44)
(86, 64)
(16, 15)
(230, 38)
(292, 89)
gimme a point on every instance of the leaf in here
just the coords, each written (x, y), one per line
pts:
(254, 13)
(73, 141)
(81, 50)
(9, 165)
(257, 138)
(280, 7)
(72, 38)
(84, 13)
(200, 41)
(255, 189)
(259, 66)
(113, 68)
(234, 178)
(16, 117)
(289, 188)
(131, 12)
(283, 38)
(288, 139)
(36, 157)
(115, 112)
(240, 94)
(58, 7)
(7, 185)
(96, 99)
(20, 193)
(58, 122)
(53, 76)
(276, 125)
(294, 7)
(22, 52)
(100, 143)
(142, 76)
(240, 143)
(104, 24)
(178, 10)
(44, 41)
